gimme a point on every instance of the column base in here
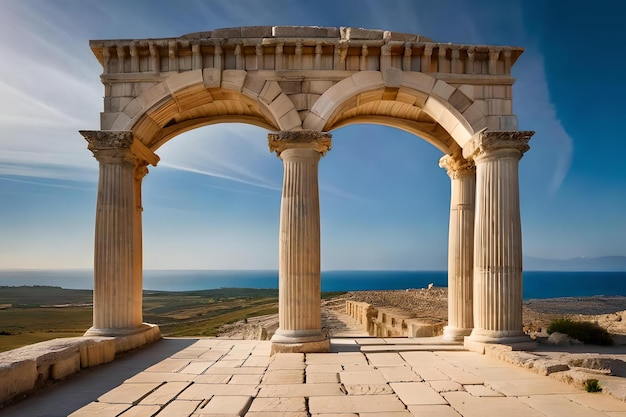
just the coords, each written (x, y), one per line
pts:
(455, 334)
(513, 339)
(299, 341)
(129, 338)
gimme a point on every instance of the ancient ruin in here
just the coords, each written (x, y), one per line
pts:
(300, 83)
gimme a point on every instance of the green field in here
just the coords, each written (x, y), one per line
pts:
(34, 314)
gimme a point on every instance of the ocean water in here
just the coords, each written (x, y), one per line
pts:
(537, 284)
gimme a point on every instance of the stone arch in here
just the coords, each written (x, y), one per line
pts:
(303, 82)
(198, 98)
(411, 101)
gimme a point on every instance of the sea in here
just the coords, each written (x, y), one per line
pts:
(536, 284)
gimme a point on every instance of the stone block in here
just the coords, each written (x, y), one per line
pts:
(368, 377)
(284, 376)
(365, 80)
(417, 393)
(165, 393)
(443, 89)
(316, 86)
(256, 31)
(178, 408)
(154, 95)
(304, 32)
(356, 404)
(399, 374)
(361, 34)
(418, 81)
(392, 77)
(199, 391)
(385, 359)
(96, 351)
(253, 86)
(459, 101)
(100, 409)
(481, 391)
(433, 411)
(279, 404)
(212, 77)
(235, 405)
(300, 390)
(128, 393)
(226, 33)
(183, 80)
(64, 366)
(499, 106)
(290, 121)
(270, 91)
(368, 389)
(233, 79)
(16, 377)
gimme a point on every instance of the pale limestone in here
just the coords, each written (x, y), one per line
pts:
(416, 393)
(358, 404)
(385, 359)
(322, 378)
(368, 389)
(200, 391)
(278, 404)
(556, 406)
(445, 93)
(128, 393)
(141, 411)
(229, 405)
(445, 386)
(284, 376)
(399, 374)
(196, 368)
(100, 410)
(179, 408)
(598, 402)
(530, 386)
(433, 411)
(245, 379)
(162, 376)
(165, 393)
(469, 406)
(366, 377)
(299, 390)
(481, 391)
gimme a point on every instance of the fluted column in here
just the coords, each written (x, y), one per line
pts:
(118, 235)
(497, 237)
(462, 175)
(299, 285)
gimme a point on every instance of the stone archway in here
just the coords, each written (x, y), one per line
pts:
(301, 83)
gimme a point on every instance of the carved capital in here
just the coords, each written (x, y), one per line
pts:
(487, 143)
(107, 139)
(118, 144)
(311, 139)
(456, 167)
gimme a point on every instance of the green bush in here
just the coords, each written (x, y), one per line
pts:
(592, 385)
(586, 332)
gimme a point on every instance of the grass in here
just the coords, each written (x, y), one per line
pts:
(586, 332)
(592, 385)
(27, 315)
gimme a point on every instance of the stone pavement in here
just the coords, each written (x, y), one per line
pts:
(363, 377)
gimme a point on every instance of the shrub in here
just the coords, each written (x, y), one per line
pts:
(592, 385)
(586, 332)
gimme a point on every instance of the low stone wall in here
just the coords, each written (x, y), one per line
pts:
(29, 368)
(380, 322)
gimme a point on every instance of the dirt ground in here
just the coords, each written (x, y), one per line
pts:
(431, 306)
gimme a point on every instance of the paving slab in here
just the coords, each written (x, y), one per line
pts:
(358, 404)
(469, 406)
(278, 404)
(481, 391)
(433, 411)
(559, 406)
(205, 391)
(531, 386)
(246, 380)
(180, 408)
(165, 393)
(129, 393)
(300, 390)
(229, 405)
(417, 393)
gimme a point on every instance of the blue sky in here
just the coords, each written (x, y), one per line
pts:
(213, 201)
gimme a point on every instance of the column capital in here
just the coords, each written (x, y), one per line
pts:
(457, 167)
(485, 143)
(119, 143)
(308, 139)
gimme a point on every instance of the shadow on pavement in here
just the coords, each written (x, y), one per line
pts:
(63, 398)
